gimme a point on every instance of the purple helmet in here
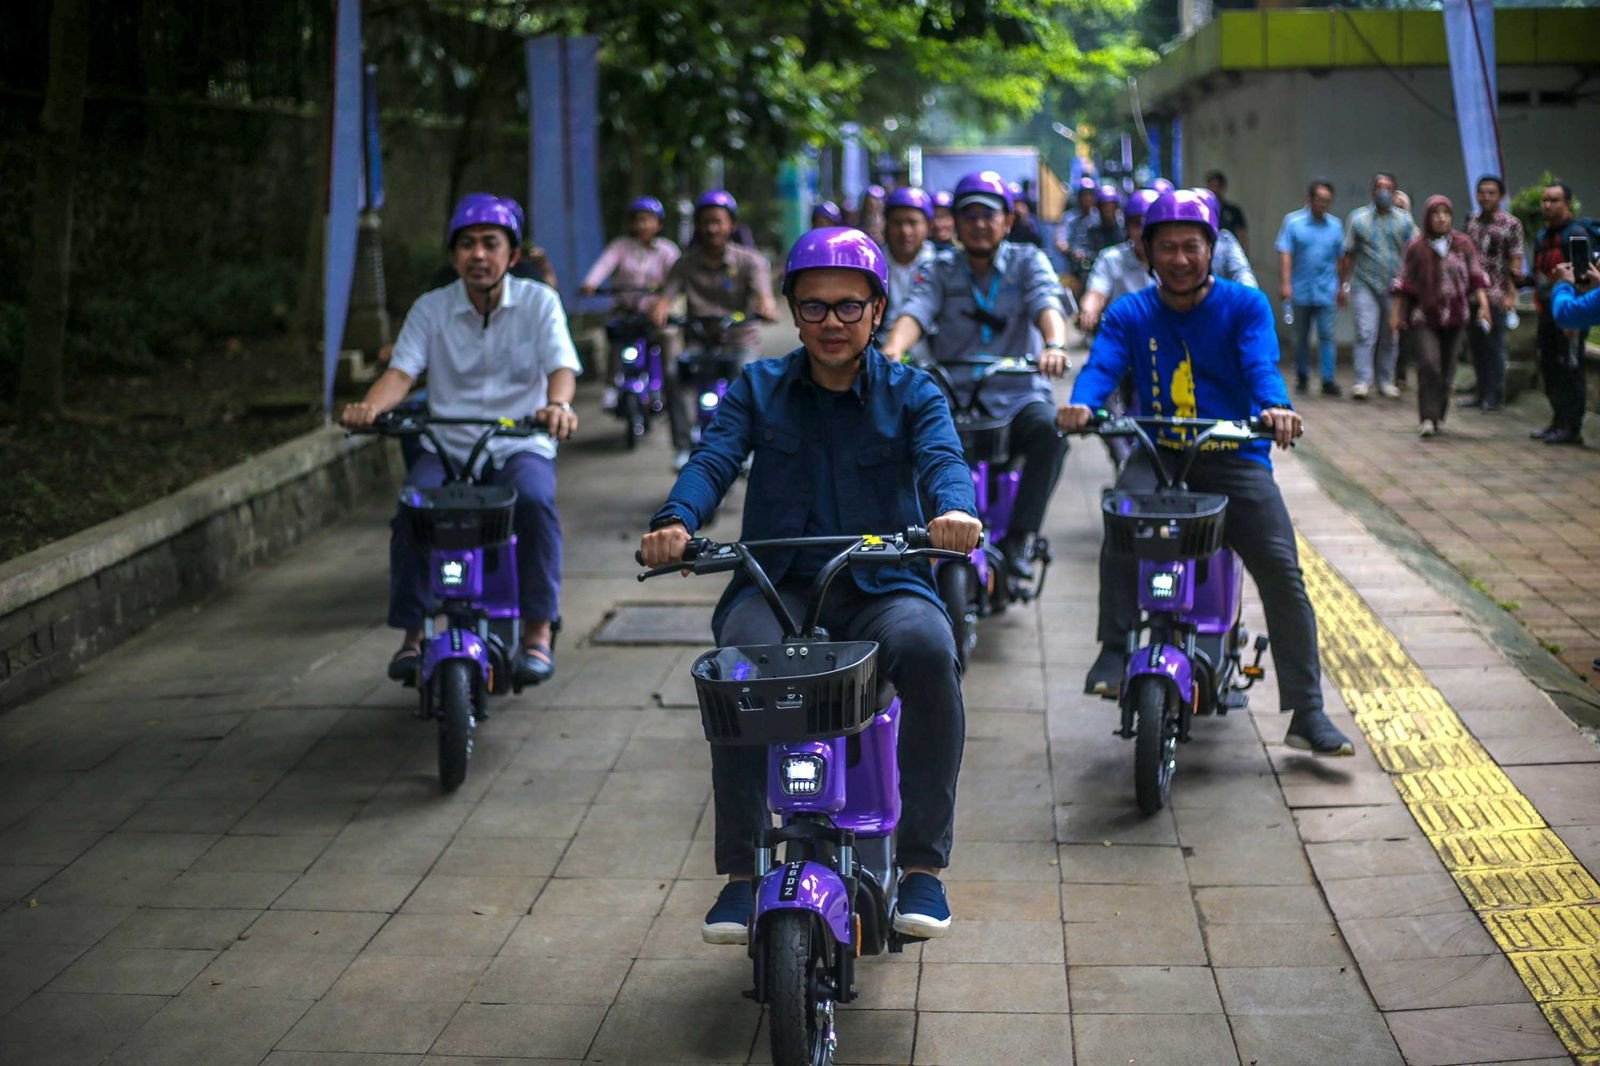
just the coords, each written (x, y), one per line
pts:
(650, 204)
(837, 248)
(1162, 185)
(1108, 194)
(1212, 204)
(912, 197)
(943, 199)
(486, 209)
(717, 198)
(828, 210)
(1088, 184)
(1140, 202)
(875, 191)
(985, 187)
(1180, 205)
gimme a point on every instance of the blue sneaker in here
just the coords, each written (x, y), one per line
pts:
(921, 910)
(728, 920)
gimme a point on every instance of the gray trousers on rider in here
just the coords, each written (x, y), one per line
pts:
(1259, 530)
(918, 653)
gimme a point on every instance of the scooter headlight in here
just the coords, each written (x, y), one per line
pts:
(801, 775)
(630, 354)
(453, 573)
(1163, 585)
(708, 401)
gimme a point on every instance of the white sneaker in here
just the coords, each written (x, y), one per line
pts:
(1358, 391)
(1428, 428)
(1389, 389)
(608, 398)
(680, 460)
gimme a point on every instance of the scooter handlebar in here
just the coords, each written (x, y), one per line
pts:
(703, 556)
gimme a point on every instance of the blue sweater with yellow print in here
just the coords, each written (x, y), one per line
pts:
(1218, 360)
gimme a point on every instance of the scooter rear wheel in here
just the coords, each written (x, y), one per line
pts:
(956, 581)
(799, 1013)
(455, 723)
(1155, 744)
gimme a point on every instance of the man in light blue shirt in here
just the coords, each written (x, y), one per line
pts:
(1375, 237)
(1309, 245)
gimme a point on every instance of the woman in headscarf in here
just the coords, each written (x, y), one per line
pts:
(1441, 279)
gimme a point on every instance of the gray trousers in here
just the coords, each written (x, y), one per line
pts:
(1373, 336)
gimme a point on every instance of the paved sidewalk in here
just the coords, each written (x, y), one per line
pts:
(225, 844)
(1519, 519)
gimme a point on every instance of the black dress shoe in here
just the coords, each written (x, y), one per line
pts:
(1302, 384)
(1105, 676)
(1541, 434)
(1015, 553)
(1331, 388)
(1563, 436)
(531, 669)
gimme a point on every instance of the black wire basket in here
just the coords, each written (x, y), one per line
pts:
(459, 516)
(1164, 526)
(985, 440)
(783, 693)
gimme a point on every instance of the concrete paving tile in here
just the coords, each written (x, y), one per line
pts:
(161, 850)
(673, 787)
(1293, 990)
(75, 1026)
(574, 979)
(44, 847)
(1001, 822)
(1261, 905)
(295, 817)
(1001, 901)
(883, 984)
(1344, 859)
(1226, 790)
(1276, 944)
(687, 983)
(1266, 824)
(261, 854)
(369, 1025)
(511, 818)
(1314, 1039)
(1024, 988)
(501, 857)
(974, 1039)
(1526, 750)
(410, 978)
(624, 823)
(298, 975)
(1187, 1039)
(1398, 896)
(559, 934)
(1564, 795)
(368, 848)
(883, 1037)
(339, 1058)
(1015, 787)
(1325, 824)
(632, 897)
(597, 856)
(997, 942)
(21, 882)
(444, 894)
(1143, 990)
(1352, 790)
(1584, 840)
(1136, 940)
(105, 882)
(66, 925)
(1005, 685)
(645, 1033)
(242, 891)
(311, 932)
(1079, 823)
(26, 968)
(986, 861)
(524, 1030)
(1494, 1033)
(348, 892)
(1247, 861)
(442, 934)
(1420, 936)
(1122, 864)
(1461, 981)
(133, 971)
(211, 1027)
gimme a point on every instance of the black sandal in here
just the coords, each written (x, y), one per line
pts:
(403, 667)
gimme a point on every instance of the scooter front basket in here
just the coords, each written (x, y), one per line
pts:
(1164, 526)
(459, 516)
(783, 693)
(985, 440)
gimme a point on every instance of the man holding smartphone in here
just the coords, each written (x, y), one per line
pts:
(1560, 350)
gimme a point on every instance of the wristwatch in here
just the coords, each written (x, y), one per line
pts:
(563, 404)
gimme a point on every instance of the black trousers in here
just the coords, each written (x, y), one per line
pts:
(918, 653)
(1561, 366)
(1258, 528)
(1044, 450)
(1489, 356)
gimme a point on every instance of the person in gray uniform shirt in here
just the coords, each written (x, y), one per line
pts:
(997, 298)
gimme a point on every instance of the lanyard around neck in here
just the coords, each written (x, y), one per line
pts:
(986, 303)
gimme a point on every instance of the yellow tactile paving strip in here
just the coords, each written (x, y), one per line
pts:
(1537, 901)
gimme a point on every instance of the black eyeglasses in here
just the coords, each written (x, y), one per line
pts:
(848, 312)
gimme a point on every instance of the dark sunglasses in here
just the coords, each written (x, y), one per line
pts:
(848, 312)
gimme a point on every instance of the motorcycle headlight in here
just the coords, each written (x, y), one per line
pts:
(801, 775)
(452, 573)
(630, 354)
(1163, 585)
(708, 400)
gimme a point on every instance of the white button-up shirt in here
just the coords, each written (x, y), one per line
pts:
(497, 366)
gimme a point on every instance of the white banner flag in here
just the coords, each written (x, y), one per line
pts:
(1469, 32)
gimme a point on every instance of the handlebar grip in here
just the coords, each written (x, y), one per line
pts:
(917, 537)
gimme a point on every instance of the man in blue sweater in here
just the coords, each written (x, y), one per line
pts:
(1201, 347)
(1570, 310)
(845, 442)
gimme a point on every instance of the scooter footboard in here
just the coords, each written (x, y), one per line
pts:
(810, 887)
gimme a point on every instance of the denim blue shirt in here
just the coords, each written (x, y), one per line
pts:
(827, 462)
(1314, 248)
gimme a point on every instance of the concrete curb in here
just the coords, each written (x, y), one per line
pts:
(76, 598)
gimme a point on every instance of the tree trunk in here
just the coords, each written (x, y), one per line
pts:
(60, 124)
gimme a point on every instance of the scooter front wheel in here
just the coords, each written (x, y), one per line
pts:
(455, 722)
(634, 426)
(799, 1008)
(1155, 754)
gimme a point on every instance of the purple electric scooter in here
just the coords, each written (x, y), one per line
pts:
(466, 530)
(830, 725)
(708, 365)
(1184, 657)
(979, 585)
(639, 369)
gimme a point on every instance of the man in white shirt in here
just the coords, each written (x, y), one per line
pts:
(493, 346)
(908, 219)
